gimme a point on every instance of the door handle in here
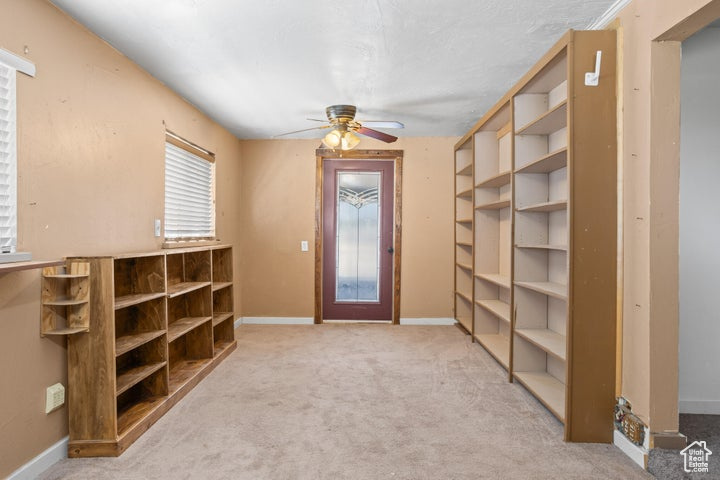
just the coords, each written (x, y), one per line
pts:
(391, 250)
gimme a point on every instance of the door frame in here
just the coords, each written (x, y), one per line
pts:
(396, 156)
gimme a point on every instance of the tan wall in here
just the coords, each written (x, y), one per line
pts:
(279, 202)
(650, 155)
(91, 177)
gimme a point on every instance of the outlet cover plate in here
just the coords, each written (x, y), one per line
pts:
(55, 397)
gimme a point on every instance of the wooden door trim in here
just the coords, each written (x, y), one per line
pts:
(396, 156)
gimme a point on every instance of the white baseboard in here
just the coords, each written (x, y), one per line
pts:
(427, 321)
(709, 407)
(42, 462)
(277, 320)
(238, 322)
(636, 453)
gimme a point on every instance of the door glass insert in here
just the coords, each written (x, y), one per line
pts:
(357, 276)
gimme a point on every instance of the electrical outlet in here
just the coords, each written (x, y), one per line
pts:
(304, 246)
(55, 397)
(158, 227)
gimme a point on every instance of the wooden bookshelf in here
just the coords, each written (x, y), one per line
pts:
(154, 332)
(65, 299)
(544, 245)
(463, 236)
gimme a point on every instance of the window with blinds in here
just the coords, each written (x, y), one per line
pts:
(8, 161)
(189, 191)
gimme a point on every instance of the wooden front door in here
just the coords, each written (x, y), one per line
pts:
(357, 223)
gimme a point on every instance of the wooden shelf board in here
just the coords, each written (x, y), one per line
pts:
(546, 388)
(497, 345)
(552, 342)
(33, 264)
(219, 317)
(500, 204)
(545, 206)
(497, 307)
(185, 287)
(542, 246)
(130, 300)
(547, 163)
(547, 123)
(495, 181)
(551, 289)
(464, 244)
(220, 285)
(463, 296)
(184, 371)
(222, 345)
(129, 342)
(137, 412)
(182, 326)
(66, 331)
(66, 275)
(464, 221)
(465, 171)
(467, 268)
(467, 194)
(499, 280)
(61, 302)
(133, 376)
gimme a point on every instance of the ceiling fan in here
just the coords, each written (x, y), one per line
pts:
(341, 118)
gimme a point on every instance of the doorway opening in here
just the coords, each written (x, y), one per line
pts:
(358, 236)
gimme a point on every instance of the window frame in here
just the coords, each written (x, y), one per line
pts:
(202, 154)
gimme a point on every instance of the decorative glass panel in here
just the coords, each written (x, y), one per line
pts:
(357, 276)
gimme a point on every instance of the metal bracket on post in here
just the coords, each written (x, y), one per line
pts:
(592, 78)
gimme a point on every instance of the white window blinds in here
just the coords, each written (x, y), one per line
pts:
(189, 195)
(8, 161)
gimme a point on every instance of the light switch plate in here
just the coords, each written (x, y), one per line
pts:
(158, 227)
(304, 246)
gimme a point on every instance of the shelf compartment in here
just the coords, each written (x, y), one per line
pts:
(130, 377)
(498, 308)
(130, 342)
(497, 345)
(466, 194)
(182, 326)
(466, 170)
(551, 289)
(183, 371)
(222, 265)
(219, 317)
(137, 276)
(494, 278)
(221, 345)
(547, 123)
(496, 181)
(498, 205)
(543, 247)
(135, 412)
(545, 206)
(467, 268)
(136, 299)
(220, 285)
(552, 161)
(464, 297)
(551, 342)
(547, 389)
(185, 287)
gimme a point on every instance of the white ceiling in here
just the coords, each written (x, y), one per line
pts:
(261, 67)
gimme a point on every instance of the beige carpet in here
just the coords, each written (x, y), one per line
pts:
(356, 402)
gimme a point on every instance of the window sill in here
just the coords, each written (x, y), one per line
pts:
(170, 244)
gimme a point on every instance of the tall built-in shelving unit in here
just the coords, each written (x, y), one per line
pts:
(464, 236)
(544, 233)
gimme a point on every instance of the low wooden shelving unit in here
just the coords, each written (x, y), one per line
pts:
(65, 299)
(159, 323)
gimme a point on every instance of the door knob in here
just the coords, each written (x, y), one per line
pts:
(391, 250)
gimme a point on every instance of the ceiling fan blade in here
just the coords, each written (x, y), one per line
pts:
(303, 130)
(368, 132)
(316, 120)
(382, 124)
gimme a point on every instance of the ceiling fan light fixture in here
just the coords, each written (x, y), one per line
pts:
(349, 141)
(332, 139)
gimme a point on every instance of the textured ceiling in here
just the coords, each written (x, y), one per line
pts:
(261, 68)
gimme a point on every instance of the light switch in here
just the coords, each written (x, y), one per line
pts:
(304, 246)
(158, 228)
